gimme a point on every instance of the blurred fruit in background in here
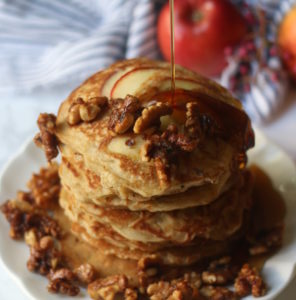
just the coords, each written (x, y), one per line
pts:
(203, 30)
(287, 41)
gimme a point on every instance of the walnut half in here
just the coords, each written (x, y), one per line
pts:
(151, 116)
(85, 111)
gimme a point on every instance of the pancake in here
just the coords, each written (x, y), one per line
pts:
(144, 172)
(216, 221)
(89, 186)
(102, 151)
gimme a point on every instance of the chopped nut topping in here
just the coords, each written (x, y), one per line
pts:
(218, 293)
(22, 221)
(148, 269)
(85, 273)
(85, 111)
(220, 272)
(45, 186)
(61, 281)
(267, 241)
(31, 238)
(193, 279)
(108, 288)
(130, 294)
(124, 113)
(175, 290)
(249, 281)
(199, 124)
(151, 116)
(46, 138)
(42, 260)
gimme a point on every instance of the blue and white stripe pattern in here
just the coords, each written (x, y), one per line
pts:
(49, 43)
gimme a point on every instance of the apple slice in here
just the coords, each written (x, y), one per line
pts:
(114, 77)
(180, 83)
(132, 81)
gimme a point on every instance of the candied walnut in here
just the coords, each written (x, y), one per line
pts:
(148, 269)
(85, 273)
(43, 224)
(16, 219)
(85, 111)
(220, 272)
(218, 293)
(46, 242)
(21, 221)
(61, 281)
(46, 138)
(249, 281)
(45, 186)
(130, 294)
(31, 238)
(175, 290)
(108, 288)
(167, 145)
(43, 260)
(193, 279)
(151, 116)
(267, 241)
(198, 123)
(123, 114)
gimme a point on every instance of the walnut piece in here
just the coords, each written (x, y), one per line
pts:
(123, 114)
(45, 186)
(108, 288)
(267, 241)
(61, 281)
(43, 260)
(85, 111)
(46, 138)
(249, 281)
(218, 293)
(148, 269)
(151, 116)
(85, 273)
(174, 290)
(219, 272)
(130, 294)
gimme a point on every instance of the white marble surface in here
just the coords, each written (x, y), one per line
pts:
(18, 115)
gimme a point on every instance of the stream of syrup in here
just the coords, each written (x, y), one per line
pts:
(173, 67)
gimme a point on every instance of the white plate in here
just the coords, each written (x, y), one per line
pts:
(278, 270)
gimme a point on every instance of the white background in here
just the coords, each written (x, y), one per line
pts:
(18, 115)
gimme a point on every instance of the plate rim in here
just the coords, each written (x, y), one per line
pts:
(26, 289)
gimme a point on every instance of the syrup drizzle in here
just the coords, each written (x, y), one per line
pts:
(173, 68)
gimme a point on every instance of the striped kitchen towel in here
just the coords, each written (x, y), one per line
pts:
(49, 43)
(52, 43)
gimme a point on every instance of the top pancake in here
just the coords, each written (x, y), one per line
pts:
(144, 79)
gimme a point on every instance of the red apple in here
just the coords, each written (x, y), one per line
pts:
(203, 29)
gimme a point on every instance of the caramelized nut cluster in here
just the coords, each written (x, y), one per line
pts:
(249, 281)
(45, 186)
(46, 139)
(148, 270)
(151, 116)
(123, 114)
(85, 111)
(110, 288)
(61, 281)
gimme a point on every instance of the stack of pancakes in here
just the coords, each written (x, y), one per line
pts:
(116, 200)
